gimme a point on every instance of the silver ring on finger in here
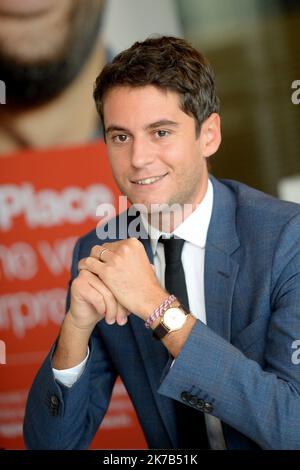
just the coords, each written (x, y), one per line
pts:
(101, 253)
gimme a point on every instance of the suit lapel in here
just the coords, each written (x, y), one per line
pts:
(220, 271)
(220, 276)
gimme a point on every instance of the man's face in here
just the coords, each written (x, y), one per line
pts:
(44, 43)
(151, 140)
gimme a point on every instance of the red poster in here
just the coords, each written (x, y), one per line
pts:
(47, 200)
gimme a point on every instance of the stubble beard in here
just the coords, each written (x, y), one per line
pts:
(166, 216)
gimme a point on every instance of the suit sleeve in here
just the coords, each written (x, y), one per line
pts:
(262, 403)
(58, 417)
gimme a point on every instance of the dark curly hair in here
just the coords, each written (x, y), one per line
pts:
(168, 63)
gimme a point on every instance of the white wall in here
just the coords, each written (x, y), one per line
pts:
(127, 21)
(289, 188)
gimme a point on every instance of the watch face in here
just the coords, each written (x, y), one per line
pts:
(174, 318)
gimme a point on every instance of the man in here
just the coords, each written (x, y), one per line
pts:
(224, 347)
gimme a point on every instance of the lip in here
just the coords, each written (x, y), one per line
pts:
(161, 177)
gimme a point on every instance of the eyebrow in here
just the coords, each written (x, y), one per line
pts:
(162, 122)
(115, 127)
(153, 125)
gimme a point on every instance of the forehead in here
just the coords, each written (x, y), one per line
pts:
(149, 102)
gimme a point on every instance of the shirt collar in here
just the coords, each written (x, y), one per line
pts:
(193, 229)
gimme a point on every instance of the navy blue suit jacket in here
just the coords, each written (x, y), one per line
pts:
(241, 364)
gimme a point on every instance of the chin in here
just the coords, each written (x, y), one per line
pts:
(155, 208)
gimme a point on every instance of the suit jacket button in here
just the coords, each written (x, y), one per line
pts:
(185, 396)
(200, 404)
(208, 408)
(54, 405)
(54, 400)
(193, 400)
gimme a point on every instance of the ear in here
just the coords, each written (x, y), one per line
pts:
(211, 134)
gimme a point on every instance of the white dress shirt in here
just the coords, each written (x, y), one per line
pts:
(194, 231)
(69, 376)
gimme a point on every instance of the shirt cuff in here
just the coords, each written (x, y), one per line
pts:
(69, 376)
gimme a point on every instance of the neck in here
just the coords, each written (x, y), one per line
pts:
(68, 119)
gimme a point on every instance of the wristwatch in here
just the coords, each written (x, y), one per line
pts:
(172, 320)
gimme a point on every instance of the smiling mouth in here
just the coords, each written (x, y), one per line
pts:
(148, 181)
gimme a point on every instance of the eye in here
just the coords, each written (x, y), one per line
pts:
(162, 133)
(120, 138)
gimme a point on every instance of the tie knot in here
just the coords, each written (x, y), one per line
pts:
(173, 248)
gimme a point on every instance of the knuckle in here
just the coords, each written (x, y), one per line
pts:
(89, 262)
(84, 273)
(134, 241)
(80, 263)
(124, 249)
(76, 284)
(94, 251)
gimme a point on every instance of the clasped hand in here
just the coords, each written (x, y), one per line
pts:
(122, 282)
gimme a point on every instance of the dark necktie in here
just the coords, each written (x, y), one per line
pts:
(174, 273)
(191, 426)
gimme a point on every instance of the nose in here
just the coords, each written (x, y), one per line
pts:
(141, 153)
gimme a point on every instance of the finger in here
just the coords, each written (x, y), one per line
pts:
(122, 315)
(96, 300)
(103, 255)
(97, 249)
(111, 308)
(88, 291)
(110, 316)
(111, 304)
(92, 265)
